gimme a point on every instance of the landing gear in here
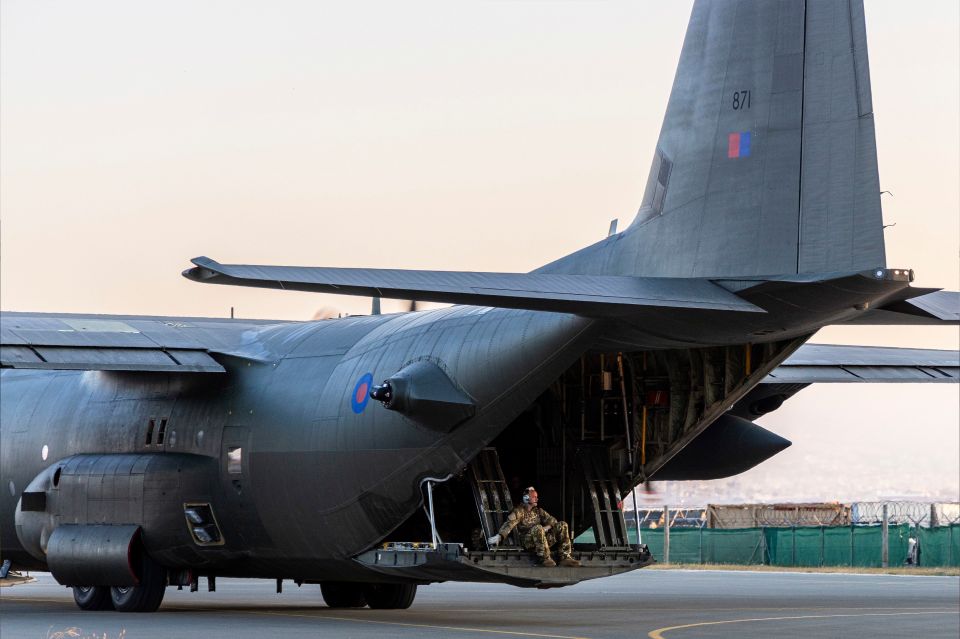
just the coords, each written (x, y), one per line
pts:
(145, 597)
(92, 597)
(390, 596)
(342, 594)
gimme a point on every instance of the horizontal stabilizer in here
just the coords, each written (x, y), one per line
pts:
(828, 363)
(938, 308)
(600, 295)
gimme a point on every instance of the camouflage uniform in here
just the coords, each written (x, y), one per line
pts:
(530, 525)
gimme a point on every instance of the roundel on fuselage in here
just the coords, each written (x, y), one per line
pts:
(361, 393)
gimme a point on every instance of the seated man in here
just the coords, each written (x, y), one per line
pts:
(538, 531)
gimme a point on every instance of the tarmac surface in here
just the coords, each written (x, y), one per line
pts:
(674, 604)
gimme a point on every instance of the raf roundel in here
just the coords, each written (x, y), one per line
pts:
(361, 393)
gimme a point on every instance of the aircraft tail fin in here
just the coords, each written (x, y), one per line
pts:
(766, 161)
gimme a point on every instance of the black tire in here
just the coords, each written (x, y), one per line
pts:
(342, 594)
(92, 597)
(146, 596)
(390, 596)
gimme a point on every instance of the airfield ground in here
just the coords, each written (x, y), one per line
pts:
(664, 604)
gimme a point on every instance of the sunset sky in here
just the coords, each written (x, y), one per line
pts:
(465, 136)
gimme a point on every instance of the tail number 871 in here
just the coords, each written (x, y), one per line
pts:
(741, 100)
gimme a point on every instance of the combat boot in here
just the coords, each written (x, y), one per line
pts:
(569, 562)
(548, 562)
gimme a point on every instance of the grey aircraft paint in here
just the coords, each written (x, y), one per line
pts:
(141, 451)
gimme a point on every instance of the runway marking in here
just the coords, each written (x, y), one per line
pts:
(512, 633)
(413, 625)
(33, 599)
(658, 633)
(192, 608)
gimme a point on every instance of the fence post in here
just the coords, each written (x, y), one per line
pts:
(701, 543)
(793, 561)
(852, 537)
(666, 534)
(822, 544)
(885, 538)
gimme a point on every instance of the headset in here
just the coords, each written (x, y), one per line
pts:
(530, 494)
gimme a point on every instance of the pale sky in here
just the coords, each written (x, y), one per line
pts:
(464, 136)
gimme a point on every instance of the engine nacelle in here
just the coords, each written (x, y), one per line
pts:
(86, 516)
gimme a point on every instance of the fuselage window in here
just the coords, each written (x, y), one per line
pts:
(234, 460)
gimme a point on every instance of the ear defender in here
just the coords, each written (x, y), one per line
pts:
(529, 494)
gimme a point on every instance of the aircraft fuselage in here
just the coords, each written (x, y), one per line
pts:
(296, 467)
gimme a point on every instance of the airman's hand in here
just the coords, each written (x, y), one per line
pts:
(493, 541)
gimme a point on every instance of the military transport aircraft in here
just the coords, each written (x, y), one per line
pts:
(373, 454)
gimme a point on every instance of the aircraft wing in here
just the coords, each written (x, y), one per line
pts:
(820, 363)
(829, 363)
(61, 341)
(581, 294)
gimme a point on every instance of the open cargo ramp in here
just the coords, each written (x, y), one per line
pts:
(451, 562)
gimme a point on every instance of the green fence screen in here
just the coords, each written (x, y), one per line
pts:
(940, 546)
(858, 546)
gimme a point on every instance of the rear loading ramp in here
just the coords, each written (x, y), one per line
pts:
(452, 562)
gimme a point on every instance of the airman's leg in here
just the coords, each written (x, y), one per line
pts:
(563, 540)
(541, 547)
(564, 545)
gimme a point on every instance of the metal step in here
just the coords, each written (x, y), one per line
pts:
(604, 500)
(491, 494)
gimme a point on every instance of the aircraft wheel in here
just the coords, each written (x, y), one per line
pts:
(390, 596)
(342, 594)
(147, 596)
(92, 597)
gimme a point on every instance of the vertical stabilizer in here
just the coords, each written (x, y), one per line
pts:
(766, 161)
